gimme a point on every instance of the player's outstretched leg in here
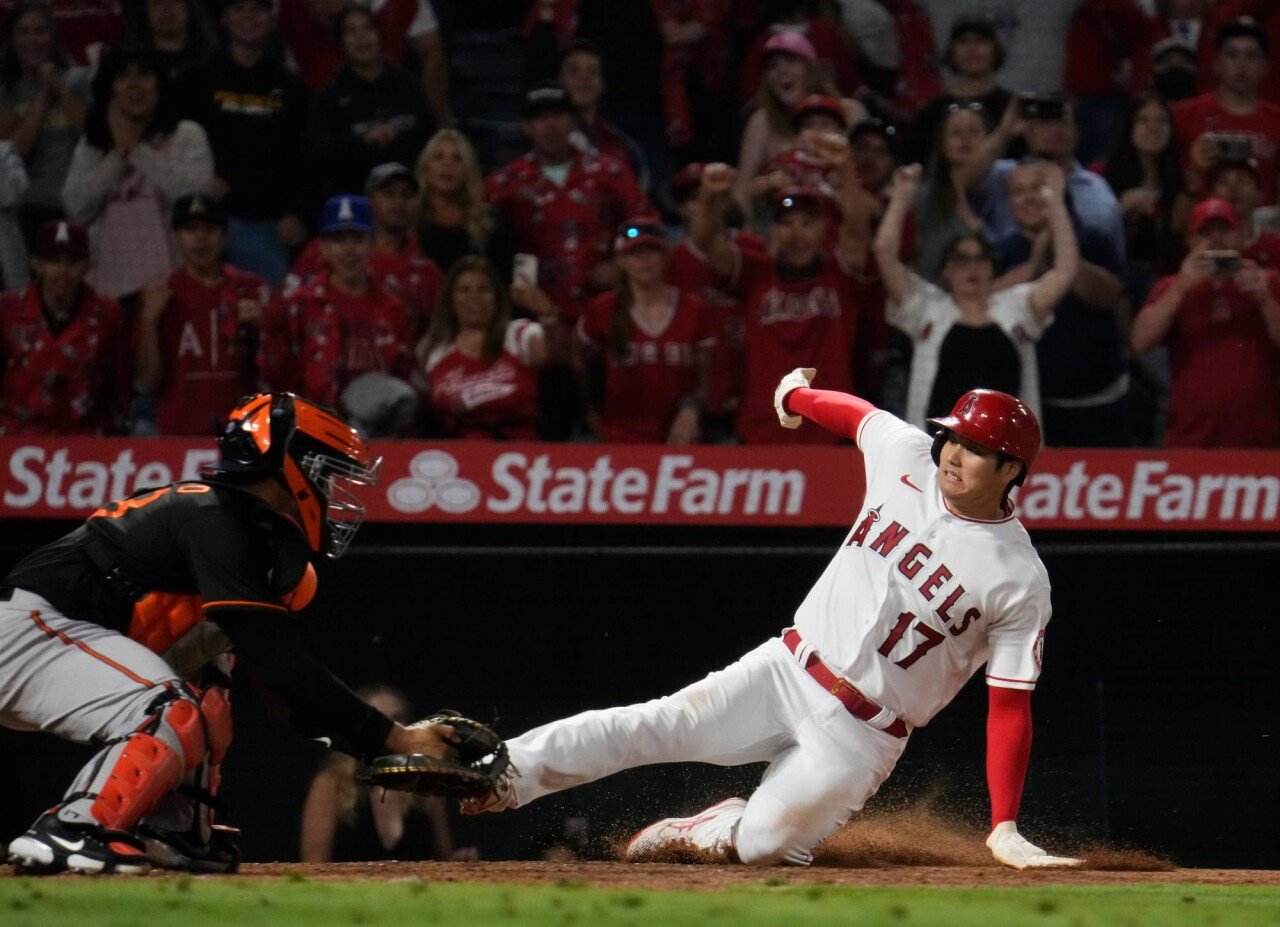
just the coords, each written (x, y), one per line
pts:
(730, 717)
(89, 684)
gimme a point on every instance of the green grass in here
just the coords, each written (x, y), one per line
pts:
(84, 902)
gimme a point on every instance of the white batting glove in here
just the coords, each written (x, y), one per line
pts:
(800, 378)
(1011, 848)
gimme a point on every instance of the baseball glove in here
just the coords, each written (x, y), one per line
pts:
(481, 762)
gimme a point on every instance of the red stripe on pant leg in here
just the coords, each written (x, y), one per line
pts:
(35, 616)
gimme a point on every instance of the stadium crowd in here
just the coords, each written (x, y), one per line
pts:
(626, 219)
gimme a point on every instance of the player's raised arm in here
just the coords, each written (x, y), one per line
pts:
(794, 401)
(1008, 751)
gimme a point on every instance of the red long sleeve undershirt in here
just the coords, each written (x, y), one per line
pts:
(1008, 750)
(1009, 710)
(836, 412)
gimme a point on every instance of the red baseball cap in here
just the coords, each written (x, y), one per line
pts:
(639, 232)
(1207, 211)
(61, 238)
(819, 103)
(790, 42)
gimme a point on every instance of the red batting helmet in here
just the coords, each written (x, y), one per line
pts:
(996, 421)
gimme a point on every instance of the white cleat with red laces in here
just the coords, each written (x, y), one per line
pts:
(710, 832)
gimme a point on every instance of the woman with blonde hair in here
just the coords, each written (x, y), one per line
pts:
(453, 218)
(791, 74)
(345, 821)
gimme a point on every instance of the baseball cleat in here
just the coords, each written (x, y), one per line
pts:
(184, 852)
(710, 832)
(51, 845)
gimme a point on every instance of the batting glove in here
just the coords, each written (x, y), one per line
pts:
(1011, 848)
(800, 378)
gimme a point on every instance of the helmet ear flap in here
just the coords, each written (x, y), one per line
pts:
(939, 439)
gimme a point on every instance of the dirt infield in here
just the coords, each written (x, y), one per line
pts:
(702, 877)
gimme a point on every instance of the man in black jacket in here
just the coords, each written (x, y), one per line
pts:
(254, 111)
(98, 629)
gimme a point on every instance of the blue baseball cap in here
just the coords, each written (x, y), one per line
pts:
(346, 214)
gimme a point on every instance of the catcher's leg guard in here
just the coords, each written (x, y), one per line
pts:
(128, 778)
(181, 833)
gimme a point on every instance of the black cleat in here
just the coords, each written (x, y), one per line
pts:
(51, 845)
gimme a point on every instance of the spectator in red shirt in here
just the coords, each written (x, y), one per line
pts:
(1220, 316)
(582, 76)
(408, 27)
(397, 264)
(1237, 182)
(479, 366)
(695, 61)
(197, 330)
(59, 342)
(86, 28)
(1104, 42)
(343, 340)
(1233, 109)
(453, 218)
(801, 300)
(563, 203)
(813, 118)
(687, 269)
(654, 342)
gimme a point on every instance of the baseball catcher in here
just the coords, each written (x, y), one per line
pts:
(109, 635)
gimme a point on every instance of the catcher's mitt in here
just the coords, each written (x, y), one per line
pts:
(482, 761)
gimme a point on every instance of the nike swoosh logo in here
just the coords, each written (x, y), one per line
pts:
(67, 844)
(908, 482)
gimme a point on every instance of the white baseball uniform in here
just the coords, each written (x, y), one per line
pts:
(916, 599)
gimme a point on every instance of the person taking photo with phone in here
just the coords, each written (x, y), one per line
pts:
(1220, 317)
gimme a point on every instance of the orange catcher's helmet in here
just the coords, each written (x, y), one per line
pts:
(320, 458)
(994, 420)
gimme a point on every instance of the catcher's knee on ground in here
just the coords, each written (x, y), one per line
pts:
(132, 774)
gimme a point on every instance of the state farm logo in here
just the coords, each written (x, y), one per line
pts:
(433, 482)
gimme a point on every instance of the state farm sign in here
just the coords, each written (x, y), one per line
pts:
(610, 484)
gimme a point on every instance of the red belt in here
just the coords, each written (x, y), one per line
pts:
(853, 700)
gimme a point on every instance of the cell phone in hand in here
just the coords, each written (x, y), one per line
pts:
(1048, 107)
(1222, 263)
(1231, 146)
(524, 270)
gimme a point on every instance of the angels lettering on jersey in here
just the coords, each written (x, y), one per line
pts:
(919, 597)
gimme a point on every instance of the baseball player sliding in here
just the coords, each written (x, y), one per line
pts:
(936, 578)
(102, 632)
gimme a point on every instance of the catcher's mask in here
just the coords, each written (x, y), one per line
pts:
(320, 458)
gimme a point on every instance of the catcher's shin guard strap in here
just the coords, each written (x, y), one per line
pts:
(145, 771)
(215, 707)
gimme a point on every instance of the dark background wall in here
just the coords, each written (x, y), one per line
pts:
(1156, 716)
